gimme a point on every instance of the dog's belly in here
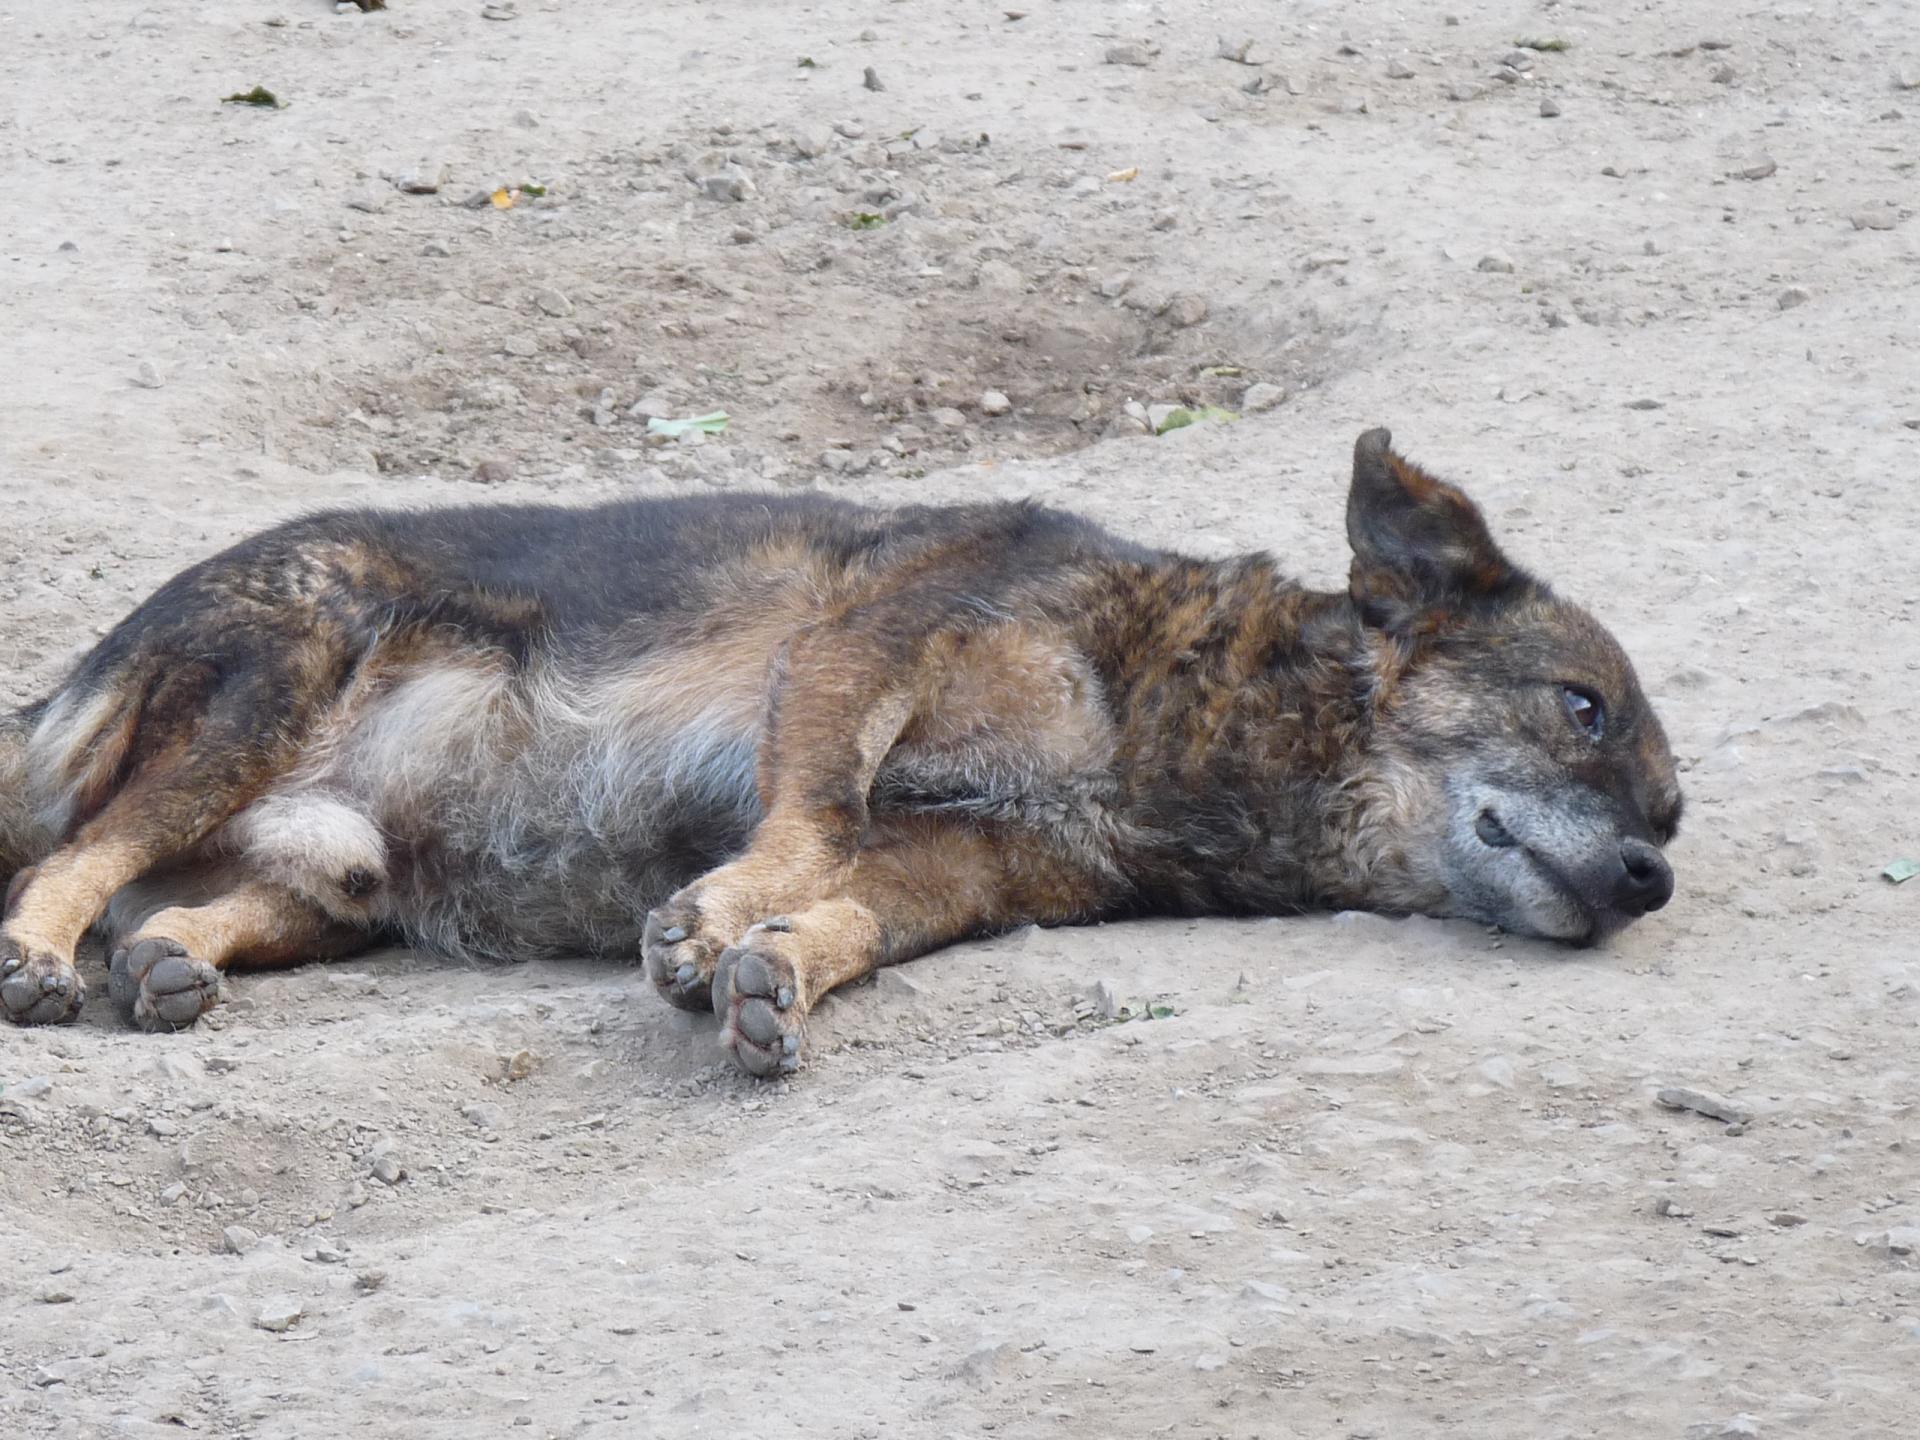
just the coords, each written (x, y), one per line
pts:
(490, 812)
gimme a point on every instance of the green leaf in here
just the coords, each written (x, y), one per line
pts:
(807, 62)
(865, 220)
(1544, 45)
(1161, 1012)
(258, 95)
(1901, 871)
(710, 424)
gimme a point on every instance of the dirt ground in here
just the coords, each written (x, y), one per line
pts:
(1371, 1178)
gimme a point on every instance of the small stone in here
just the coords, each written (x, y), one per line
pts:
(239, 1239)
(280, 1314)
(1723, 75)
(1130, 54)
(1520, 60)
(147, 376)
(1716, 44)
(499, 12)
(67, 247)
(434, 250)
(1158, 415)
(1461, 94)
(1702, 1102)
(728, 187)
(35, 1086)
(1494, 263)
(1166, 219)
(870, 78)
(174, 1193)
(813, 142)
(1498, 1069)
(388, 1166)
(1262, 396)
(1646, 403)
(523, 347)
(552, 302)
(1787, 1219)
(1878, 217)
(1792, 296)
(423, 179)
(485, 1114)
(492, 472)
(368, 200)
(948, 418)
(993, 402)
(1549, 107)
(1107, 1003)
(1114, 286)
(1399, 70)
(56, 1295)
(519, 1065)
(1186, 311)
(526, 120)
(1740, 1427)
(850, 130)
(1758, 168)
(1238, 51)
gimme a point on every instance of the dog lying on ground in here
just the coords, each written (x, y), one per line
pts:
(768, 743)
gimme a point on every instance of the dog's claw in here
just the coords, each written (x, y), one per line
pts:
(684, 975)
(783, 997)
(673, 934)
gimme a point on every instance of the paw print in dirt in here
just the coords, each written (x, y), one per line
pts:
(757, 995)
(38, 986)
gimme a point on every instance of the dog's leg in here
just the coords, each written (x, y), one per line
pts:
(841, 696)
(165, 969)
(922, 884)
(194, 760)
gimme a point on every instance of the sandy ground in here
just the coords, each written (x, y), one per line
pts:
(1371, 1178)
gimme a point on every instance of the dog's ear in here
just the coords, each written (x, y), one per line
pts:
(1419, 544)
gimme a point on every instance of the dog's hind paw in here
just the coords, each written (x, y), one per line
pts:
(756, 994)
(37, 987)
(160, 984)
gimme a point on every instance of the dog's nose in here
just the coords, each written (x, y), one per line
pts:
(1645, 882)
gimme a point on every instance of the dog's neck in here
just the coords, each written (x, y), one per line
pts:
(1242, 705)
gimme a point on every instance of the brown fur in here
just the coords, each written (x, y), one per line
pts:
(768, 745)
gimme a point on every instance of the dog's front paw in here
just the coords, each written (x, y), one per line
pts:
(38, 986)
(160, 985)
(681, 950)
(757, 995)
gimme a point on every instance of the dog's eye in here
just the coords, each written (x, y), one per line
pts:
(1586, 710)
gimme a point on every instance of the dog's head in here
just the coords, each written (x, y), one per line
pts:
(1520, 777)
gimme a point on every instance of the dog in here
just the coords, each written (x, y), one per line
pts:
(764, 744)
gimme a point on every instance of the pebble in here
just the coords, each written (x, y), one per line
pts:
(388, 1166)
(1646, 403)
(993, 402)
(485, 1114)
(948, 418)
(148, 377)
(1701, 1102)
(1186, 311)
(728, 188)
(526, 120)
(423, 179)
(280, 1314)
(1792, 296)
(1494, 263)
(1716, 44)
(871, 79)
(1498, 1069)
(1132, 54)
(1723, 75)
(239, 1239)
(553, 303)
(813, 142)
(33, 1087)
(1166, 219)
(1114, 286)
(368, 200)
(1262, 396)
(1520, 60)
(499, 12)
(1879, 217)
(1241, 52)
(1158, 415)
(1399, 70)
(1786, 1219)
(524, 347)
(1549, 107)
(850, 130)
(1107, 1003)
(492, 472)
(1759, 168)
(434, 250)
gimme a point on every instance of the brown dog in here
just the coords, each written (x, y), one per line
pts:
(769, 743)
